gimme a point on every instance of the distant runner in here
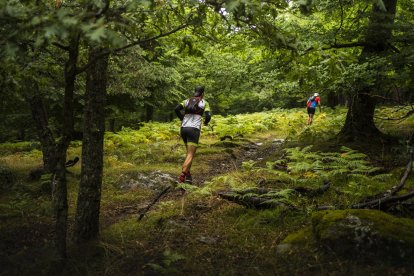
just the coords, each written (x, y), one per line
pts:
(194, 108)
(312, 103)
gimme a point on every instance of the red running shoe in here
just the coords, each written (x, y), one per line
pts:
(181, 179)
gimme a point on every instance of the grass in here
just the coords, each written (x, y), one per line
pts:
(201, 233)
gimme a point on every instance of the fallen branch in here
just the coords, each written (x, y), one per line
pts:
(143, 211)
(383, 200)
(405, 176)
(313, 192)
(300, 190)
(262, 198)
(389, 196)
(254, 202)
(382, 203)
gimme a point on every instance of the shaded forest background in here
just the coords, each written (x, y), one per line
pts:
(75, 70)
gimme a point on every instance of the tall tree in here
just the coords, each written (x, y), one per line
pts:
(89, 196)
(359, 123)
(167, 19)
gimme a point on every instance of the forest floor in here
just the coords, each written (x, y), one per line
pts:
(198, 232)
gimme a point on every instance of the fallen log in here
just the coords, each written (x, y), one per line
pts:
(382, 203)
(300, 190)
(262, 198)
(256, 202)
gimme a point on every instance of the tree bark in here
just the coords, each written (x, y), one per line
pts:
(149, 107)
(46, 139)
(332, 100)
(149, 112)
(59, 181)
(89, 197)
(359, 123)
(111, 125)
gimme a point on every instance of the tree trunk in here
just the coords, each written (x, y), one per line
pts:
(89, 197)
(111, 125)
(59, 181)
(46, 139)
(332, 100)
(359, 123)
(149, 112)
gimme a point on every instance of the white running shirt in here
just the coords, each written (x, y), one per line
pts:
(194, 120)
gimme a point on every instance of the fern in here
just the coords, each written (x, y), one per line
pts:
(248, 165)
(305, 165)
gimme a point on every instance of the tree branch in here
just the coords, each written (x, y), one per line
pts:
(345, 45)
(132, 44)
(60, 46)
(143, 211)
(379, 203)
(389, 197)
(408, 114)
(342, 20)
(336, 46)
(405, 176)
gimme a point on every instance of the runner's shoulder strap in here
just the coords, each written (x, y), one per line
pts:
(192, 106)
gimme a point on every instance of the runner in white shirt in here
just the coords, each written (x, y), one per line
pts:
(194, 108)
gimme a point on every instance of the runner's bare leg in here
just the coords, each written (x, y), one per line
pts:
(191, 150)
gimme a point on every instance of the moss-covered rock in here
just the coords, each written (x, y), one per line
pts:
(358, 234)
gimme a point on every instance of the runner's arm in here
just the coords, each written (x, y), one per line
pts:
(177, 110)
(207, 113)
(208, 118)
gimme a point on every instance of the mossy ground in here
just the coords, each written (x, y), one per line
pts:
(197, 233)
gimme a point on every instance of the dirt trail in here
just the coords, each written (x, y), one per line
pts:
(233, 158)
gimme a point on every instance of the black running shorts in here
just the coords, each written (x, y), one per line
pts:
(190, 135)
(311, 110)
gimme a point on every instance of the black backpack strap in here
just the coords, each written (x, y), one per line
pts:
(192, 106)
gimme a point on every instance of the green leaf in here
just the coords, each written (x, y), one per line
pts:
(98, 34)
(51, 31)
(381, 5)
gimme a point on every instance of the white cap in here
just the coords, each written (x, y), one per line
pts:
(316, 94)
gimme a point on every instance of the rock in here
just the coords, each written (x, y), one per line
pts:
(358, 234)
(153, 180)
(207, 240)
(278, 141)
(7, 178)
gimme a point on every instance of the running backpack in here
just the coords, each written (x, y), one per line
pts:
(192, 106)
(312, 102)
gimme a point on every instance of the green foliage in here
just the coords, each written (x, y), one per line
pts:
(169, 259)
(10, 148)
(329, 164)
(248, 165)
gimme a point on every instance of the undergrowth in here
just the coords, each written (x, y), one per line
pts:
(199, 232)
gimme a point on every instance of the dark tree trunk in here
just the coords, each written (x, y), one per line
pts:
(46, 139)
(359, 123)
(112, 125)
(89, 197)
(149, 112)
(332, 100)
(59, 181)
